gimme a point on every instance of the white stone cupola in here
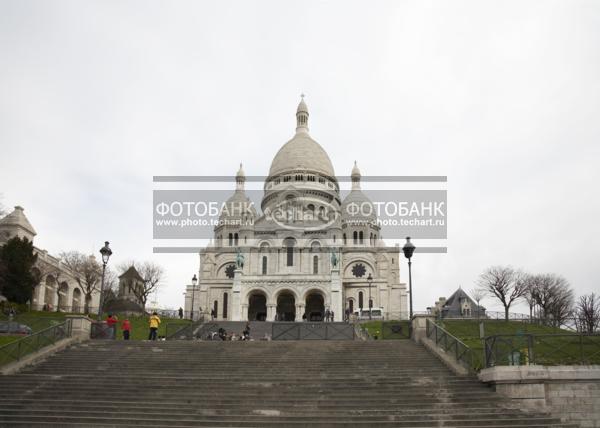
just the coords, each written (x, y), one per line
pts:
(302, 116)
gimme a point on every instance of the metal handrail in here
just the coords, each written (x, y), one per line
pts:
(545, 349)
(25, 345)
(446, 341)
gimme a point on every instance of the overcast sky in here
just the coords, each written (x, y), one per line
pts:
(501, 97)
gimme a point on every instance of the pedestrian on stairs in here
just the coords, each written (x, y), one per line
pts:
(327, 313)
(331, 316)
(126, 327)
(154, 323)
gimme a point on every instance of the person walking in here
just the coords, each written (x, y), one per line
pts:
(327, 313)
(126, 327)
(154, 323)
(111, 323)
(331, 316)
(180, 313)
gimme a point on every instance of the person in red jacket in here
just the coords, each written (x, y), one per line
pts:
(111, 322)
(126, 327)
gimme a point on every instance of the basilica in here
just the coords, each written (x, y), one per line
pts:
(305, 252)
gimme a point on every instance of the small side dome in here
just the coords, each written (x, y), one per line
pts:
(237, 207)
(358, 208)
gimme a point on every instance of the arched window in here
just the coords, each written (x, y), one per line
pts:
(355, 237)
(216, 307)
(360, 299)
(264, 265)
(334, 239)
(236, 239)
(315, 264)
(370, 303)
(351, 305)
(344, 237)
(225, 298)
(231, 239)
(360, 237)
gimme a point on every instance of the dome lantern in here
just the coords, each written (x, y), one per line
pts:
(240, 178)
(355, 176)
(302, 116)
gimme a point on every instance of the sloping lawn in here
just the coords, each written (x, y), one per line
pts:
(549, 350)
(41, 320)
(387, 330)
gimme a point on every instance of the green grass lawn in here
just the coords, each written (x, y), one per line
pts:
(38, 320)
(7, 339)
(387, 330)
(549, 350)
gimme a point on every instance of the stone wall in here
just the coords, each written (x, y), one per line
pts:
(569, 392)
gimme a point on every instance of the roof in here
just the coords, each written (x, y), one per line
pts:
(131, 273)
(18, 218)
(454, 301)
(302, 152)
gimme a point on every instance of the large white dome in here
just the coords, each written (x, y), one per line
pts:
(302, 152)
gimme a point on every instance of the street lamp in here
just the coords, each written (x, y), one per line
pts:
(106, 253)
(370, 280)
(408, 250)
(194, 282)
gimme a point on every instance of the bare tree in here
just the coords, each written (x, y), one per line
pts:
(88, 273)
(2, 209)
(504, 283)
(588, 312)
(530, 296)
(152, 274)
(555, 297)
(478, 294)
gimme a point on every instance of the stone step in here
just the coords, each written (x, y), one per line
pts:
(252, 384)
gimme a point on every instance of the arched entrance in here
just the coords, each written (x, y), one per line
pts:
(315, 307)
(257, 307)
(286, 307)
(76, 303)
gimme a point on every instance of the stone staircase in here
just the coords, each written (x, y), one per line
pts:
(252, 384)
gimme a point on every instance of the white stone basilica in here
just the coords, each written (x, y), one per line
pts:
(307, 252)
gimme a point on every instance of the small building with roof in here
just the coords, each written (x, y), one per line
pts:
(458, 305)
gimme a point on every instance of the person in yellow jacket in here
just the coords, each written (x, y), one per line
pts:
(154, 323)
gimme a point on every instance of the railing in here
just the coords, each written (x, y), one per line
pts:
(14, 351)
(542, 349)
(176, 331)
(387, 330)
(450, 344)
(101, 330)
(312, 331)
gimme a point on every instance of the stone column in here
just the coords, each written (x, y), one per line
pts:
(337, 300)
(419, 326)
(37, 302)
(244, 312)
(271, 312)
(236, 302)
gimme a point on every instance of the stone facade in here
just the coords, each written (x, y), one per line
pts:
(304, 253)
(58, 288)
(569, 392)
